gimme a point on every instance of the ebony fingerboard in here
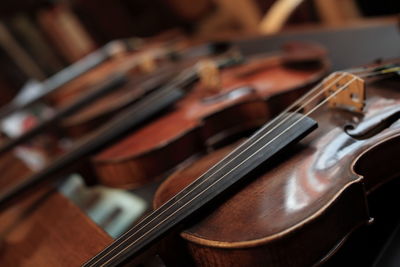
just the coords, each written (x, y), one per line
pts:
(263, 145)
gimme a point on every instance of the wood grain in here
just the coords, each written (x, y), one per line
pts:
(44, 228)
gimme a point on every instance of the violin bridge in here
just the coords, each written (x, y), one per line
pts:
(346, 91)
(147, 62)
(210, 76)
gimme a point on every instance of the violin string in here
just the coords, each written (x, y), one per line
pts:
(275, 119)
(282, 114)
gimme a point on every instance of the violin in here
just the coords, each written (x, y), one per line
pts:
(138, 62)
(151, 77)
(291, 194)
(91, 100)
(45, 134)
(224, 105)
(100, 111)
(77, 71)
(71, 81)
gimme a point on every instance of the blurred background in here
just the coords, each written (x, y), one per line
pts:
(39, 37)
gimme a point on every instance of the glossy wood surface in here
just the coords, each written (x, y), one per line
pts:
(146, 70)
(67, 93)
(298, 209)
(102, 110)
(203, 118)
(44, 228)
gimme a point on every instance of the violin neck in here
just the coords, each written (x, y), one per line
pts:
(263, 145)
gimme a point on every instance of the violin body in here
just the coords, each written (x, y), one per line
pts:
(71, 90)
(121, 58)
(93, 105)
(68, 99)
(102, 92)
(298, 209)
(250, 94)
(144, 71)
(149, 73)
(108, 106)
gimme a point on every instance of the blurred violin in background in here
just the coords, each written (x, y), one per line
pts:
(223, 106)
(86, 105)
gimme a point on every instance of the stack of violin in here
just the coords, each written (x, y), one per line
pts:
(262, 160)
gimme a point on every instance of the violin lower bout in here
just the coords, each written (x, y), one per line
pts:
(237, 233)
(296, 247)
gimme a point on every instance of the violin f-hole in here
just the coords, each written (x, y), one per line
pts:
(372, 126)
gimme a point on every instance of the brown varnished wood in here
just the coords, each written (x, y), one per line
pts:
(298, 209)
(75, 157)
(85, 89)
(70, 91)
(90, 117)
(127, 66)
(121, 61)
(104, 99)
(12, 170)
(44, 228)
(108, 106)
(196, 123)
(48, 232)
